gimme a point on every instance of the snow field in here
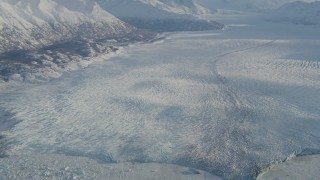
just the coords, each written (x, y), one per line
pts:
(301, 167)
(57, 166)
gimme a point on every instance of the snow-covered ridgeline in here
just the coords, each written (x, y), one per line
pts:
(40, 39)
(28, 24)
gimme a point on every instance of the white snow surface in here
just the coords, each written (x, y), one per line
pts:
(57, 166)
(44, 11)
(228, 102)
(301, 167)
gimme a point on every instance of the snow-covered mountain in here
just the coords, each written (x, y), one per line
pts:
(51, 34)
(154, 8)
(43, 37)
(298, 12)
(29, 24)
(162, 15)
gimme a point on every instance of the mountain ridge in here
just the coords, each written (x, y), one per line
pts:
(37, 23)
(299, 12)
(48, 35)
(40, 39)
(160, 9)
(162, 15)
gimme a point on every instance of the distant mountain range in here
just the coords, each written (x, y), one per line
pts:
(298, 12)
(250, 5)
(162, 15)
(159, 9)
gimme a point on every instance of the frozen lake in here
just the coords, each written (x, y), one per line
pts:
(228, 102)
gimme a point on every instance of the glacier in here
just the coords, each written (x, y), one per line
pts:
(222, 102)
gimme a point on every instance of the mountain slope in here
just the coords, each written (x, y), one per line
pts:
(29, 24)
(40, 39)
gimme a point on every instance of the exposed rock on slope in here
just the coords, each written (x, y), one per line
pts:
(30, 24)
(48, 35)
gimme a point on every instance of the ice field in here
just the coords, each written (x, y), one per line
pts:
(228, 102)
